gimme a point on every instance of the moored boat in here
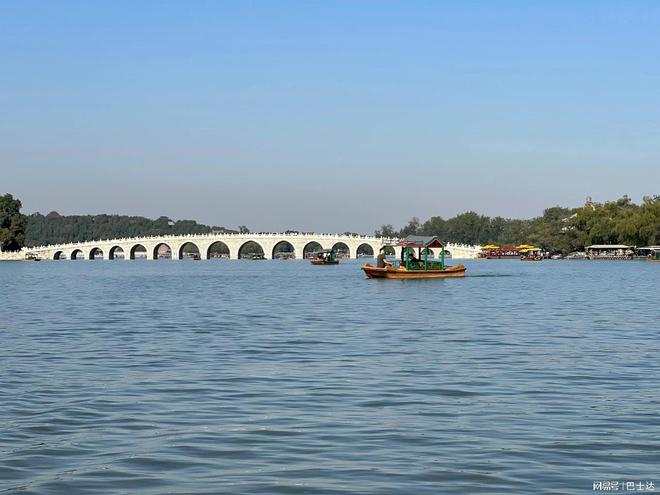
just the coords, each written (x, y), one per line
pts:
(613, 252)
(492, 252)
(531, 253)
(649, 253)
(412, 267)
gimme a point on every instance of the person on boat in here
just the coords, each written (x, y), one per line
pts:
(381, 262)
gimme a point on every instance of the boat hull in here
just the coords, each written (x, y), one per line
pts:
(457, 271)
(323, 262)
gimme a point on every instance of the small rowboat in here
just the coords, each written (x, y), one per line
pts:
(401, 272)
(324, 262)
(324, 257)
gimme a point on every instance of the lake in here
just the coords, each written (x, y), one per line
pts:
(279, 377)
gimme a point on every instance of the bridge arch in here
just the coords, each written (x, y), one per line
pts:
(162, 250)
(218, 249)
(250, 248)
(96, 253)
(138, 251)
(189, 250)
(311, 247)
(283, 250)
(114, 251)
(77, 254)
(341, 249)
(59, 255)
(365, 250)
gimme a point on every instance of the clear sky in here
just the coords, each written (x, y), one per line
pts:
(327, 116)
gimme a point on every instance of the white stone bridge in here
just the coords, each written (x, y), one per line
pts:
(232, 245)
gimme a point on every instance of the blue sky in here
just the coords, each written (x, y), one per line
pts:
(256, 113)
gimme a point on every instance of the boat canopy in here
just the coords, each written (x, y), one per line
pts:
(490, 246)
(324, 251)
(608, 246)
(419, 241)
(649, 248)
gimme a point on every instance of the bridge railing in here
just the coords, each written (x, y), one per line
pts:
(259, 235)
(256, 235)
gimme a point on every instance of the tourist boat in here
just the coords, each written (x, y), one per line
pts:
(609, 252)
(324, 257)
(492, 252)
(649, 253)
(411, 267)
(531, 253)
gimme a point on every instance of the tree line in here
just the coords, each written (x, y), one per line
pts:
(56, 229)
(557, 230)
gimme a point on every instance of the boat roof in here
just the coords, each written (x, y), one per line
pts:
(608, 246)
(421, 241)
(323, 251)
(649, 248)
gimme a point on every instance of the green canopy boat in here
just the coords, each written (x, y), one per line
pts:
(412, 267)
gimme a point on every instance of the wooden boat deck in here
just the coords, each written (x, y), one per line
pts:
(457, 271)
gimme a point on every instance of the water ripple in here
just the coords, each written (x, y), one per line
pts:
(279, 378)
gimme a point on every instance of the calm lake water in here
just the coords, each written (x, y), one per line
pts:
(278, 377)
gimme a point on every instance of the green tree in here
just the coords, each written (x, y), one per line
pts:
(386, 231)
(413, 228)
(55, 228)
(12, 224)
(558, 229)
